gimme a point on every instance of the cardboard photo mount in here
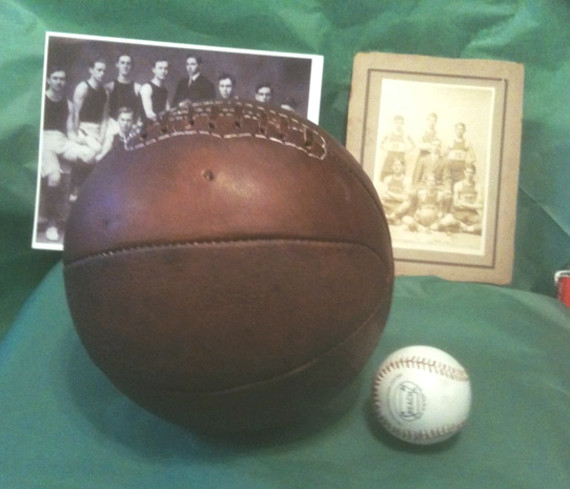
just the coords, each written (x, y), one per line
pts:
(393, 99)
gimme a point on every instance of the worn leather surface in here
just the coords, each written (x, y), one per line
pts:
(226, 275)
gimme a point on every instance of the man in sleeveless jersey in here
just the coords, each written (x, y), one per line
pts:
(394, 193)
(397, 143)
(58, 147)
(154, 94)
(90, 117)
(195, 87)
(467, 208)
(459, 153)
(428, 139)
(90, 103)
(124, 91)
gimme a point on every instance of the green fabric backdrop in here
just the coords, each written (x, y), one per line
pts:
(62, 423)
(535, 33)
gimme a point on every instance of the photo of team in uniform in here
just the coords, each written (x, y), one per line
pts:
(431, 180)
(100, 92)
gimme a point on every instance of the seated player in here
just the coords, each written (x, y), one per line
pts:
(59, 147)
(120, 139)
(394, 193)
(429, 208)
(467, 205)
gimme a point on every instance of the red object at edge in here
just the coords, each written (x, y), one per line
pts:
(562, 281)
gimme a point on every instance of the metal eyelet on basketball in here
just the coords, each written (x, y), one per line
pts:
(213, 117)
(283, 127)
(262, 124)
(190, 121)
(238, 114)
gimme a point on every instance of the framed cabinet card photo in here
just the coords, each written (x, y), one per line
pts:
(440, 140)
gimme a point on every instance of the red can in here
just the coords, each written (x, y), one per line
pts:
(562, 282)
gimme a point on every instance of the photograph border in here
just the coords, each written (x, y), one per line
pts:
(370, 72)
(307, 84)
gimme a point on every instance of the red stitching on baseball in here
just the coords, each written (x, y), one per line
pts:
(425, 364)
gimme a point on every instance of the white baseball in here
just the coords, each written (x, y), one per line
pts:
(422, 395)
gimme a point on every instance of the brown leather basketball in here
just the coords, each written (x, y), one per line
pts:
(230, 271)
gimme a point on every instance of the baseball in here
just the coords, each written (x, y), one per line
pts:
(422, 395)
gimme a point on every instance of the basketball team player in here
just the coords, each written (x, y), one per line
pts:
(226, 87)
(397, 143)
(119, 140)
(394, 193)
(429, 208)
(459, 153)
(264, 92)
(467, 208)
(124, 91)
(90, 115)
(59, 148)
(154, 94)
(90, 103)
(426, 146)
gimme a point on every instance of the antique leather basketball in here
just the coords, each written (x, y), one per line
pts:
(231, 270)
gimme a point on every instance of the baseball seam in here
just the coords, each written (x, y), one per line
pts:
(426, 364)
(419, 435)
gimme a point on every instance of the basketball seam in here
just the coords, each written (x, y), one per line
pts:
(293, 371)
(211, 243)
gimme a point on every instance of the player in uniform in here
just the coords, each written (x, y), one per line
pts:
(124, 91)
(195, 87)
(459, 154)
(264, 92)
(396, 144)
(426, 146)
(226, 87)
(467, 205)
(90, 103)
(429, 208)
(154, 95)
(120, 140)
(394, 193)
(58, 148)
(90, 114)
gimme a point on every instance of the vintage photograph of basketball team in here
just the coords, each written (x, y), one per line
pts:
(440, 141)
(99, 92)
